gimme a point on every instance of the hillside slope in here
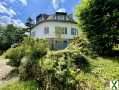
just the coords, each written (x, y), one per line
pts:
(102, 72)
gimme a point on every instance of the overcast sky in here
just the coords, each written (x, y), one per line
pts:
(16, 11)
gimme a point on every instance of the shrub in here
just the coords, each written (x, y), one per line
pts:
(29, 47)
(54, 70)
(60, 70)
(10, 34)
(15, 55)
(25, 57)
(82, 47)
(29, 69)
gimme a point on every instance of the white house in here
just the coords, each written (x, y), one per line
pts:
(58, 29)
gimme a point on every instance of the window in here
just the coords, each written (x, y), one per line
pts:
(60, 17)
(61, 44)
(60, 30)
(65, 44)
(33, 34)
(74, 31)
(46, 30)
(65, 30)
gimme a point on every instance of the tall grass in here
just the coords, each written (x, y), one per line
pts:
(21, 85)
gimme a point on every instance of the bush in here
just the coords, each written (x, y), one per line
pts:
(82, 46)
(34, 50)
(15, 55)
(60, 70)
(55, 70)
(10, 34)
(29, 69)
(26, 55)
(29, 47)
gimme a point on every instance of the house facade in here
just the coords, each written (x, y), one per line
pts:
(58, 29)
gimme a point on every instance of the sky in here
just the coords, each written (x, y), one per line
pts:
(17, 11)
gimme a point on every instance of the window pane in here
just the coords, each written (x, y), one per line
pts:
(77, 31)
(74, 31)
(46, 30)
(60, 30)
(65, 30)
(33, 34)
(60, 17)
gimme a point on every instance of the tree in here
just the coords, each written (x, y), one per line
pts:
(100, 20)
(29, 23)
(9, 35)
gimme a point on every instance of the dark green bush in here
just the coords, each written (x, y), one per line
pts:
(29, 47)
(10, 34)
(61, 69)
(28, 69)
(54, 70)
(15, 55)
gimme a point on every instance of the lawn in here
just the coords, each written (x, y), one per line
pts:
(21, 85)
(102, 72)
(116, 47)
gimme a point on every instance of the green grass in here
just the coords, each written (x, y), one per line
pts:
(116, 47)
(102, 72)
(21, 85)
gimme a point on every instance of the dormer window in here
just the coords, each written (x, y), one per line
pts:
(41, 17)
(60, 17)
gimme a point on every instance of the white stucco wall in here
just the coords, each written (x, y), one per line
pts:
(39, 30)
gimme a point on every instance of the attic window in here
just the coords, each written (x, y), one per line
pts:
(60, 17)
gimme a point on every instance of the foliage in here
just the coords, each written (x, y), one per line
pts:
(60, 69)
(9, 35)
(80, 45)
(51, 69)
(29, 47)
(15, 55)
(99, 20)
(25, 57)
(103, 71)
(67, 69)
(29, 69)
(29, 23)
(20, 85)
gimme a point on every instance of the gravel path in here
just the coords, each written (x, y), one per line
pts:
(4, 69)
